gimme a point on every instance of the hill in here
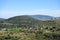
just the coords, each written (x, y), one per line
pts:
(57, 17)
(2, 19)
(25, 27)
(27, 21)
(30, 20)
(19, 21)
(42, 17)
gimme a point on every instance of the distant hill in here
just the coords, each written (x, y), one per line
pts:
(19, 19)
(57, 17)
(29, 21)
(41, 17)
(2, 19)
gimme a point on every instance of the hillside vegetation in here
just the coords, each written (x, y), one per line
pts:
(29, 28)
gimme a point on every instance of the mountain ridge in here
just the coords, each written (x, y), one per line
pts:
(38, 17)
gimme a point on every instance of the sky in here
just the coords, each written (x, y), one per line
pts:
(10, 8)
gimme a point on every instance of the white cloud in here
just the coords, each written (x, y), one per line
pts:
(7, 14)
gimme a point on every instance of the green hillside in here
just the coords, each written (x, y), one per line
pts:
(27, 22)
(27, 28)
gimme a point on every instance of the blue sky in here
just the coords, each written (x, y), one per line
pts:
(10, 8)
